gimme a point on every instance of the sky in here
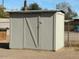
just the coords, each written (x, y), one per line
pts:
(45, 4)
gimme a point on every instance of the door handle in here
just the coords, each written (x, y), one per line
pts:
(40, 22)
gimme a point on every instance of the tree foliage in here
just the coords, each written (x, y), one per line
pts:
(3, 14)
(34, 6)
(69, 13)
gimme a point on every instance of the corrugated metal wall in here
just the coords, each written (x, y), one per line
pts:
(36, 31)
(59, 30)
(16, 33)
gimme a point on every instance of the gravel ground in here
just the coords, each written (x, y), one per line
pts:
(65, 53)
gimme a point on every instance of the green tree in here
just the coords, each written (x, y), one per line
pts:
(3, 14)
(34, 6)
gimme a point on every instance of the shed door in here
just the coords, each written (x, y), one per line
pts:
(38, 32)
(30, 32)
(46, 33)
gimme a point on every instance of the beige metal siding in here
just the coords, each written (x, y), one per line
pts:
(43, 31)
(30, 32)
(16, 33)
(59, 30)
(46, 33)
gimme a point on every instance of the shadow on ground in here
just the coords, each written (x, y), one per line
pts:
(4, 45)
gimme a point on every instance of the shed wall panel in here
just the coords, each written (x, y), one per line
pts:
(30, 32)
(59, 30)
(16, 33)
(37, 31)
(46, 33)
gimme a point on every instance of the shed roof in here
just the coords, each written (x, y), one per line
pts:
(77, 17)
(35, 11)
(68, 20)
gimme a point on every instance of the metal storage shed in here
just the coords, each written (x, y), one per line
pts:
(37, 29)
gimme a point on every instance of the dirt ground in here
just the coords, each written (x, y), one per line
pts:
(65, 53)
